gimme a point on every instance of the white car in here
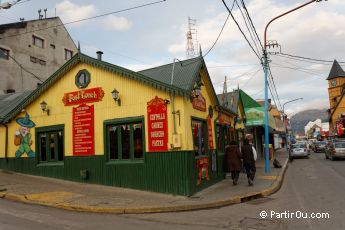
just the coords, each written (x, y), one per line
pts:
(299, 150)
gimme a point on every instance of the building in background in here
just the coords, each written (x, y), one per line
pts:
(317, 129)
(277, 134)
(336, 90)
(30, 51)
(232, 101)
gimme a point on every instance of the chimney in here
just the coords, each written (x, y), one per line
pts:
(99, 55)
(10, 91)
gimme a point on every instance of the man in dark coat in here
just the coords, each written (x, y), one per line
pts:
(248, 161)
(233, 161)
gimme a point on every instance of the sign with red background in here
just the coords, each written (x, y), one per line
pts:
(199, 103)
(83, 130)
(157, 120)
(83, 96)
(224, 119)
(210, 133)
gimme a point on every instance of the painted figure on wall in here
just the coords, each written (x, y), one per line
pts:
(23, 136)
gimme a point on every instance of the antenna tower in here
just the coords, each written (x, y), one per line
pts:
(191, 43)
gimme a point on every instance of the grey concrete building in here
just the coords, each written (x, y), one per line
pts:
(30, 51)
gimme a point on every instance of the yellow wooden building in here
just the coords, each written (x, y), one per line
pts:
(336, 90)
(96, 122)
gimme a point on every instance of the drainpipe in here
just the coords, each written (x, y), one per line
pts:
(173, 95)
(6, 142)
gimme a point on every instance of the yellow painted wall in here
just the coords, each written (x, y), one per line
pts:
(206, 91)
(134, 97)
(335, 92)
(2, 141)
(240, 113)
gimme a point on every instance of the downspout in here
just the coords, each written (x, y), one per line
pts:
(173, 96)
(6, 142)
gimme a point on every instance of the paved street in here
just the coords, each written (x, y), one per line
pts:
(312, 185)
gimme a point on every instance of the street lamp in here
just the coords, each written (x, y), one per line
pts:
(285, 129)
(265, 64)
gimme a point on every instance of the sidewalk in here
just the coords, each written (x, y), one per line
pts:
(97, 198)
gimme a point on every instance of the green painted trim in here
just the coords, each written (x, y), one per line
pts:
(124, 162)
(49, 164)
(119, 121)
(87, 76)
(49, 129)
(207, 150)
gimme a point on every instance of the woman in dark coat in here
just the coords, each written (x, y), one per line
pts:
(248, 161)
(233, 161)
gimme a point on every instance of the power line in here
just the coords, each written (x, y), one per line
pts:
(34, 75)
(300, 67)
(251, 22)
(215, 42)
(300, 70)
(85, 19)
(274, 87)
(251, 71)
(241, 31)
(306, 58)
(254, 74)
(249, 29)
(230, 66)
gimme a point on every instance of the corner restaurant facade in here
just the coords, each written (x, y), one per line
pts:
(95, 122)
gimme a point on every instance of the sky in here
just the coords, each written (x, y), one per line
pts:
(155, 34)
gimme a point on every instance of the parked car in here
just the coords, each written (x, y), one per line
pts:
(320, 146)
(335, 150)
(299, 150)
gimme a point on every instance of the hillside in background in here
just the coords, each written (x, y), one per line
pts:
(301, 119)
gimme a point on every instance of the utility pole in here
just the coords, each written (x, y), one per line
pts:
(265, 64)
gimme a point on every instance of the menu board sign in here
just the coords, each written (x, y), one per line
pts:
(210, 133)
(83, 130)
(157, 120)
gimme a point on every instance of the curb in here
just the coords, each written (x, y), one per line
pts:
(140, 210)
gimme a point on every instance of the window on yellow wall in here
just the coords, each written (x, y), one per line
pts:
(125, 140)
(50, 144)
(199, 132)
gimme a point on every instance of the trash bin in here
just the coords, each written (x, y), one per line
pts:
(270, 152)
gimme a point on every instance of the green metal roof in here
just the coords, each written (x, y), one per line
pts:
(9, 101)
(185, 73)
(336, 71)
(247, 101)
(229, 98)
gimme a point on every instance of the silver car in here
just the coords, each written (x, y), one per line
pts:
(299, 150)
(335, 150)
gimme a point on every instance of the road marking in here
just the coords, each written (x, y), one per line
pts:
(269, 177)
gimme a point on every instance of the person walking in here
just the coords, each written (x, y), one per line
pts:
(249, 158)
(233, 161)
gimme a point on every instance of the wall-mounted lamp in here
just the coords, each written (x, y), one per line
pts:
(116, 97)
(44, 107)
(197, 89)
(166, 101)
